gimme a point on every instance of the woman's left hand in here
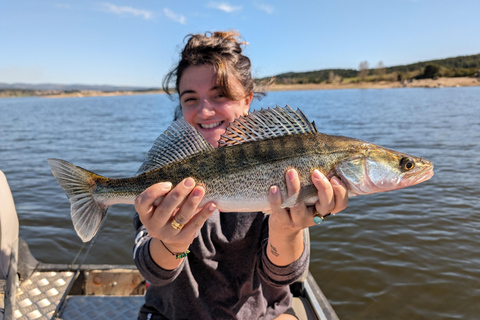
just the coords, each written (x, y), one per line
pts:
(332, 198)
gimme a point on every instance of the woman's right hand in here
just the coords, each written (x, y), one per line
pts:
(180, 203)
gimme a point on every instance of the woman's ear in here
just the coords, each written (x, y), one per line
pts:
(248, 101)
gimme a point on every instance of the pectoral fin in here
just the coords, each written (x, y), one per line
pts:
(307, 194)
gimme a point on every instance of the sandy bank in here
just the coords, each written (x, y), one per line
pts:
(101, 94)
(424, 83)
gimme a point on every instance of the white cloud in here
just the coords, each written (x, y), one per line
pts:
(175, 17)
(264, 7)
(127, 10)
(223, 6)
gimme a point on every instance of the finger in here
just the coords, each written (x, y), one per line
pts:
(176, 197)
(279, 215)
(340, 193)
(190, 206)
(293, 182)
(297, 213)
(144, 202)
(326, 200)
(275, 198)
(198, 220)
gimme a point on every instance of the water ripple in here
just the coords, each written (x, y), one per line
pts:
(408, 254)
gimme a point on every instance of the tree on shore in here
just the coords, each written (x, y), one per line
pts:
(363, 73)
(432, 71)
(380, 70)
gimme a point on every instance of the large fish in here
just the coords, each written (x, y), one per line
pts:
(253, 154)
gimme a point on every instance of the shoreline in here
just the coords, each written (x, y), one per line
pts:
(422, 83)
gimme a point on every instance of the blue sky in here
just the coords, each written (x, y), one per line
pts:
(137, 42)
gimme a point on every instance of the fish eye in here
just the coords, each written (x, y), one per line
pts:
(407, 164)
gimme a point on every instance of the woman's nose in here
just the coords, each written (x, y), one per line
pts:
(206, 108)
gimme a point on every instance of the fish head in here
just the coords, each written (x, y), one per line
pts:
(376, 169)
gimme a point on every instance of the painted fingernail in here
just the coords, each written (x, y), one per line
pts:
(212, 207)
(292, 174)
(189, 182)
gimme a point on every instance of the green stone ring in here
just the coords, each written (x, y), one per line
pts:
(318, 219)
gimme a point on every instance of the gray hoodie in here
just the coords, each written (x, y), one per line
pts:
(226, 275)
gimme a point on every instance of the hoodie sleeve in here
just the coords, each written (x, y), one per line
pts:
(149, 269)
(278, 276)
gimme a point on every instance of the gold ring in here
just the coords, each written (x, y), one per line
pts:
(176, 225)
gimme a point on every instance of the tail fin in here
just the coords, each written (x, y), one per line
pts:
(87, 213)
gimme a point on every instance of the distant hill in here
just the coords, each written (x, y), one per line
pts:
(462, 66)
(51, 89)
(69, 87)
(450, 64)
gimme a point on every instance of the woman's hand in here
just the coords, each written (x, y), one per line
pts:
(285, 236)
(179, 204)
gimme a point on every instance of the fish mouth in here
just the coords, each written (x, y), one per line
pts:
(211, 125)
(425, 176)
(422, 177)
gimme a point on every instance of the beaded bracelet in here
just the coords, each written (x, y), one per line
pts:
(177, 255)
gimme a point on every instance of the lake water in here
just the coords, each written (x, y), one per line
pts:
(407, 254)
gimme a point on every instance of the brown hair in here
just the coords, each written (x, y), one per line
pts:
(223, 52)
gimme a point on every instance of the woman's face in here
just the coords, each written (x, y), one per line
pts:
(204, 107)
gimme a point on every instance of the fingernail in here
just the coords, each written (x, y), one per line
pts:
(274, 189)
(335, 181)
(197, 192)
(212, 207)
(318, 175)
(189, 182)
(292, 174)
(166, 185)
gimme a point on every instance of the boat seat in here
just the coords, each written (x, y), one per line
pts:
(8, 226)
(8, 249)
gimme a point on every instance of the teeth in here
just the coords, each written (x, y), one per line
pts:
(210, 126)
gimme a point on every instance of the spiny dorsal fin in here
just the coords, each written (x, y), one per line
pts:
(265, 124)
(178, 142)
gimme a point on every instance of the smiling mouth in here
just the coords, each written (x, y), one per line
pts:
(210, 126)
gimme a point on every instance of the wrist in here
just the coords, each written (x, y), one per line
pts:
(284, 250)
(177, 255)
(284, 234)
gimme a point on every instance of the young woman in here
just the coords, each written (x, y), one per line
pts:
(239, 265)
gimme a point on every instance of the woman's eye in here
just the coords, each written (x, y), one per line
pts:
(189, 99)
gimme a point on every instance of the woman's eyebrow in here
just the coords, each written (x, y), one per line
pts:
(193, 91)
(186, 91)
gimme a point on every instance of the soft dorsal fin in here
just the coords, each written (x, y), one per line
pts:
(265, 124)
(178, 142)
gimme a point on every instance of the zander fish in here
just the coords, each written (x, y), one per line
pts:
(254, 153)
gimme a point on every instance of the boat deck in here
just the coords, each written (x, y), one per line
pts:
(114, 292)
(38, 296)
(101, 307)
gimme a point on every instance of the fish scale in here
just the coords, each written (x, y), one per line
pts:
(254, 153)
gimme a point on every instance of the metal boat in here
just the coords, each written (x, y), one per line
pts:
(30, 289)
